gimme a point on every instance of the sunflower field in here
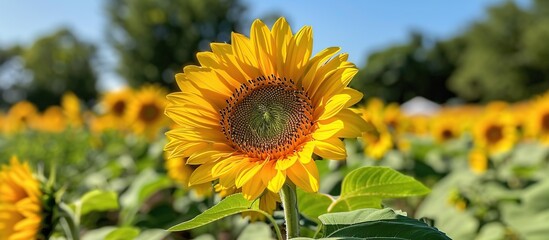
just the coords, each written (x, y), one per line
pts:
(265, 140)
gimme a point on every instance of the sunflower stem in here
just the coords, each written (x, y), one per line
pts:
(291, 214)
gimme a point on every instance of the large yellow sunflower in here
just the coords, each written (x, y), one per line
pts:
(254, 111)
(20, 202)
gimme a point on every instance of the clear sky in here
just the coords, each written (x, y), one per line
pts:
(359, 27)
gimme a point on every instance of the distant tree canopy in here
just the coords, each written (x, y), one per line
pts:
(502, 57)
(155, 39)
(54, 64)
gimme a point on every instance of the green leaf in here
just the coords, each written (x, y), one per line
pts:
(233, 204)
(123, 233)
(312, 205)
(98, 234)
(377, 224)
(145, 185)
(367, 186)
(97, 200)
(333, 221)
(152, 234)
(256, 230)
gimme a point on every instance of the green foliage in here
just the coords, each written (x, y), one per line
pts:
(147, 183)
(233, 204)
(154, 39)
(96, 200)
(58, 63)
(376, 224)
(401, 72)
(501, 57)
(362, 188)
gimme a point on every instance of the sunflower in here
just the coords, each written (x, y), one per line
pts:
(71, 108)
(377, 142)
(180, 172)
(377, 138)
(254, 111)
(52, 120)
(116, 103)
(538, 122)
(145, 111)
(19, 116)
(495, 132)
(445, 127)
(478, 161)
(20, 202)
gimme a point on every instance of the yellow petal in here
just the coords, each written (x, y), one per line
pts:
(305, 176)
(327, 129)
(306, 154)
(277, 181)
(282, 34)
(202, 174)
(252, 189)
(353, 124)
(331, 148)
(206, 157)
(249, 171)
(245, 54)
(299, 52)
(283, 164)
(309, 81)
(332, 107)
(263, 42)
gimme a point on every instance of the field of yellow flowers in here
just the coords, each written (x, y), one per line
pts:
(209, 162)
(486, 166)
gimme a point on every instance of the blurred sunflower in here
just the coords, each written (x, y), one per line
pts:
(20, 202)
(19, 116)
(377, 140)
(71, 108)
(145, 111)
(116, 103)
(52, 119)
(256, 110)
(478, 161)
(538, 122)
(445, 127)
(179, 172)
(495, 132)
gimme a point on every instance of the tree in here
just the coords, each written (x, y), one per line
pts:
(155, 39)
(499, 62)
(55, 64)
(401, 72)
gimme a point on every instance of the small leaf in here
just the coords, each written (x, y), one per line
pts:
(334, 221)
(312, 205)
(233, 204)
(97, 200)
(366, 186)
(123, 233)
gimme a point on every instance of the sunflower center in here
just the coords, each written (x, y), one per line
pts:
(494, 134)
(267, 117)
(149, 112)
(447, 134)
(545, 122)
(119, 107)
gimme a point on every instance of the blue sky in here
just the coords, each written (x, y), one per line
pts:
(359, 27)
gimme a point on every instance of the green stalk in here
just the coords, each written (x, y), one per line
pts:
(288, 196)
